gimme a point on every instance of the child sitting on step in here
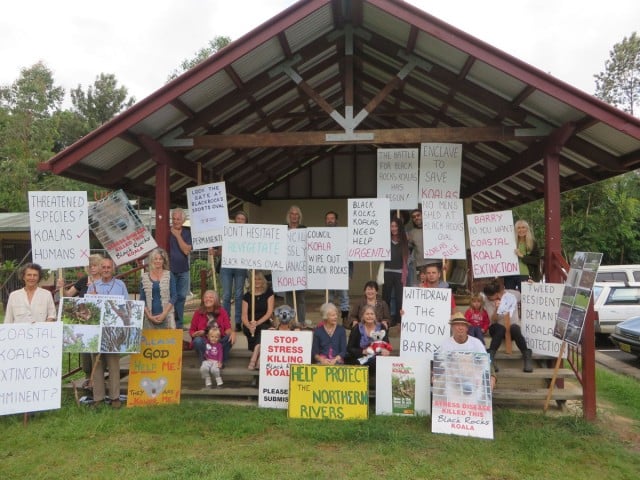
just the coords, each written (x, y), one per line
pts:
(478, 317)
(212, 363)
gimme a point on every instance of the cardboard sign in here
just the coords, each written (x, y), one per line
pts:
(440, 167)
(117, 226)
(443, 228)
(327, 265)
(30, 367)
(402, 386)
(253, 246)
(278, 350)
(59, 224)
(368, 235)
(493, 244)
(425, 323)
(155, 373)
(462, 401)
(207, 214)
(540, 303)
(398, 177)
(295, 276)
(328, 392)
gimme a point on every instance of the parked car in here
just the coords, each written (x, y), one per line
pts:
(618, 273)
(614, 303)
(626, 336)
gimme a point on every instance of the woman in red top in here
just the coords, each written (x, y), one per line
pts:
(211, 315)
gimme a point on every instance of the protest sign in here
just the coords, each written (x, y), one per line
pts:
(443, 228)
(328, 392)
(425, 323)
(278, 350)
(117, 226)
(59, 229)
(253, 246)
(440, 167)
(155, 373)
(493, 244)
(368, 236)
(540, 303)
(327, 265)
(30, 367)
(402, 386)
(462, 402)
(398, 177)
(295, 275)
(207, 214)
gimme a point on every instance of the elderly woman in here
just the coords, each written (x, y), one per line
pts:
(30, 304)
(158, 291)
(256, 315)
(361, 338)
(329, 339)
(371, 299)
(211, 315)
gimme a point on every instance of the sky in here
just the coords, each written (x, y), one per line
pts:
(143, 41)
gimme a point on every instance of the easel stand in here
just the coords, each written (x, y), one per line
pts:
(555, 376)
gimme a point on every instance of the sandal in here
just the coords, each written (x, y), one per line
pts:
(252, 365)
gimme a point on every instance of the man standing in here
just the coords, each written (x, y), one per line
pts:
(180, 246)
(331, 220)
(107, 285)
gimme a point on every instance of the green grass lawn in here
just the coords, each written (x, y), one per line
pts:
(208, 439)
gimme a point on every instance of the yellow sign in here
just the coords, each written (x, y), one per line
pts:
(332, 392)
(155, 373)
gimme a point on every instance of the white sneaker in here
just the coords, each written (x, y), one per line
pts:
(219, 382)
(207, 383)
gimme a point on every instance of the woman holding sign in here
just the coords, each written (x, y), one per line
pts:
(158, 291)
(256, 315)
(30, 304)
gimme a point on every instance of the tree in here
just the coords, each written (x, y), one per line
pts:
(214, 46)
(102, 101)
(619, 84)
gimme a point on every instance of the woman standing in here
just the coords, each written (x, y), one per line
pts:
(254, 321)
(395, 270)
(233, 280)
(211, 315)
(158, 291)
(30, 304)
(329, 339)
(528, 257)
(81, 287)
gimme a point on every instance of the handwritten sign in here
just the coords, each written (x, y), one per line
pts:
(59, 229)
(295, 275)
(327, 265)
(280, 349)
(30, 367)
(440, 167)
(493, 244)
(425, 323)
(208, 214)
(328, 392)
(398, 177)
(402, 386)
(462, 402)
(155, 373)
(254, 246)
(368, 236)
(540, 303)
(119, 229)
(443, 228)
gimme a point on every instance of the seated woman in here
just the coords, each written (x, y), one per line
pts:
(361, 339)
(254, 322)
(211, 315)
(371, 299)
(329, 339)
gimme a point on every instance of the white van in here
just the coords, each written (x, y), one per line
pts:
(618, 273)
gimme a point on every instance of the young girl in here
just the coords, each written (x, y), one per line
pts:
(212, 358)
(478, 317)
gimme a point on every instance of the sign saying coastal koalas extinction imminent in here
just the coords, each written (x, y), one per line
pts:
(327, 265)
(398, 177)
(368, 235)
(155, 373)
(278, 350)
(335, 392)
(59, 229)
(493, 244)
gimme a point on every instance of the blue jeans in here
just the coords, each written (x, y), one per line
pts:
(200, 346)
(343, 298)
(183, 285)
(233, 281)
